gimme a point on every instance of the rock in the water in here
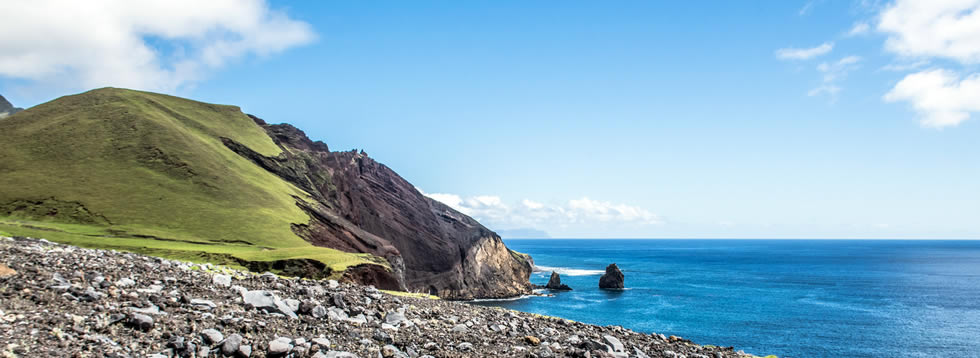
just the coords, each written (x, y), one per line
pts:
(555, 283)
(612, 279)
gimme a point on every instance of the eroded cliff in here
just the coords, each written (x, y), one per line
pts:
(360, 205)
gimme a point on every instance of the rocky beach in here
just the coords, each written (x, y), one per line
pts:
(66, 301)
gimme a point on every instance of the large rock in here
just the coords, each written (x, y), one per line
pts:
(265, 300)
(612, 279)
(555, 283)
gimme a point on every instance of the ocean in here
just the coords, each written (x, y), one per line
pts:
(790, 298)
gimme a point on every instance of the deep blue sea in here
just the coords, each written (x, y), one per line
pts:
(791, 298)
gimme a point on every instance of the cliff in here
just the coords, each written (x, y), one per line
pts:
(363, 206)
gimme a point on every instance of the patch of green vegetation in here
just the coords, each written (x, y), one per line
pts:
(148, 173)
(411, 294)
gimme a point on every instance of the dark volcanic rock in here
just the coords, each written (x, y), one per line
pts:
(612, 279)
(555, 283)
(364, 206)
(6, 108)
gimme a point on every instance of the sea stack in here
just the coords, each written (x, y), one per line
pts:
(555, 283)
(612, 279)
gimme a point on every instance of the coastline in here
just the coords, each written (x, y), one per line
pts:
(64, 300)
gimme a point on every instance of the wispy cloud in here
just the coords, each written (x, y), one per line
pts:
(905, 66)
(494, 212)
(807, 7)
(156, 45)
(804, 53)
(859, 29)
(832, 73)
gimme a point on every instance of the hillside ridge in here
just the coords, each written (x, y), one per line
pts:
(167, 176)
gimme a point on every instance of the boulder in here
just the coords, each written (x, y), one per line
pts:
(555, 283)
(612, 279)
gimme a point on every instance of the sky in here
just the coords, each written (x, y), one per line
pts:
(626, 119)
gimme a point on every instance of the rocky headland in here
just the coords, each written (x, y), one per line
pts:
(65, 301)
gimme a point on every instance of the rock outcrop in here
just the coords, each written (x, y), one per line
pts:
(6, 108)
(363, 206)
(554, 283)
(612, 279)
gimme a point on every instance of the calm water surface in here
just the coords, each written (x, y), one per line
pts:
(791, 298)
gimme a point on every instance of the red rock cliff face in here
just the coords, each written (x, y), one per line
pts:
(364, 206)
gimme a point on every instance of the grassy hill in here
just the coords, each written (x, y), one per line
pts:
(148, 173)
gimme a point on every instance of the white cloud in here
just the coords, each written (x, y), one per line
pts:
(807, 8)
(942, 98)
(829, 90)
(858, 29)
(494, 212)
(588, 209)
(832, 73)
(905, 66)
(804, 53)
(934, 28)
(152, 45)
(533, 205)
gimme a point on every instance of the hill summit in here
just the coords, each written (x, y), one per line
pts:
(167, 176)
(7, 109)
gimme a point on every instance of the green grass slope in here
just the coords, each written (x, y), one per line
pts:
(146, 172)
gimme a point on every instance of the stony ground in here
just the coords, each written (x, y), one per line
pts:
(64, 301)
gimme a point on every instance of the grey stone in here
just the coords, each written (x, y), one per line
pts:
(200, 304)
(389, 351)
(221, 280)
(212, 336)
(460, 328)
(614, 343)
(336, 354)
(280, 347)
(292, 304)
(141, 321)
(244, 352)
(395, 318)
(231, 344)
(465, 346)
(322, 342)
(124, 282)
(319, 311)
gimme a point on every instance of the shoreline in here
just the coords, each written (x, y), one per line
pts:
(66, 300)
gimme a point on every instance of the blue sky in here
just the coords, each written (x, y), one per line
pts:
(796, 119)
